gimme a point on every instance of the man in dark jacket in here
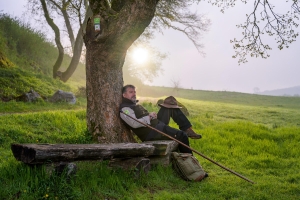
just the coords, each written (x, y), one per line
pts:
(160, 120)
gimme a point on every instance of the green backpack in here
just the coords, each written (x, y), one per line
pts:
(187, 166)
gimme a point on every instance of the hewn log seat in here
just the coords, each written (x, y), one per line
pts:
(47, 153)
(162, 152)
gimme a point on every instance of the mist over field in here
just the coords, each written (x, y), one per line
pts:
(248, 116)
(217, 70)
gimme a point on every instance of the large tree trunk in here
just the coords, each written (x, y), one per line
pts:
(105, 57)
(103, 85)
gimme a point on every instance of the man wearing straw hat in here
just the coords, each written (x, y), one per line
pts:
(160, 120)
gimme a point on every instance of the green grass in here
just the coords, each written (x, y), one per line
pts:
(23, 107)
(259, 142)
(14, 82)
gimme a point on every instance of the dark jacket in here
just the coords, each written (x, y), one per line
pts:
(142, 132)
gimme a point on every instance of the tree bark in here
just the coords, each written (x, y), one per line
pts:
(105, 57)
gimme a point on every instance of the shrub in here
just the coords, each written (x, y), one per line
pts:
(15, 81)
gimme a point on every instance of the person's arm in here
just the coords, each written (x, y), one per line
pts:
(132, 122)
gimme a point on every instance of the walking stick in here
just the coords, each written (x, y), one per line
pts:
(227, 169)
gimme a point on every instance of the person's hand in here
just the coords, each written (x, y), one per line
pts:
(152, 115)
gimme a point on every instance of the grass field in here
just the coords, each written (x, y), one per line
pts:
(256, 136)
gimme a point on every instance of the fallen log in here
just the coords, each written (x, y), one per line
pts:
(45, 153)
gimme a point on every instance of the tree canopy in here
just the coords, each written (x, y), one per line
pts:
(65, 17)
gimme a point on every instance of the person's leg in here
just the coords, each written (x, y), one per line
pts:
(178, 135)
(175, 133)
(164, 115)
(181, 120)
(177, 115)
(184, 124)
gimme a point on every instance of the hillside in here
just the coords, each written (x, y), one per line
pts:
(26, 60)
(292, 91)
(221, 97)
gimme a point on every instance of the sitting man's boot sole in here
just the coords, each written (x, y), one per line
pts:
(191, 134)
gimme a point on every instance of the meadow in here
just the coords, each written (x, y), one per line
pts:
(259, 140)
(254, 135)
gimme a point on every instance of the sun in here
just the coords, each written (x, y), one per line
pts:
(140, 55)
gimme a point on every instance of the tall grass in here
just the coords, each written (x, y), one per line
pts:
(268, 155)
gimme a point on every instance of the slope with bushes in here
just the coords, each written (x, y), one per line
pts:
(26, 60)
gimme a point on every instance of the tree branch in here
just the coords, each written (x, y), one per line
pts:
(282, 26)
(57, 38)
(63, 10)
(176, 15)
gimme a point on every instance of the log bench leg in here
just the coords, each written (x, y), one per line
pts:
(69, 168)
(138, 165)
(163, 160)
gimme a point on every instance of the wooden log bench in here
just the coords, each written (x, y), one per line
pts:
(128, 156)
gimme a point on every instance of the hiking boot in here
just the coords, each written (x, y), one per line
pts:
(191, 134)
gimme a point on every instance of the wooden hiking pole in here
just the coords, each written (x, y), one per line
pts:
(197, 152)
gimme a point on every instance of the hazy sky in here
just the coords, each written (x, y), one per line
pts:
(217, 70)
